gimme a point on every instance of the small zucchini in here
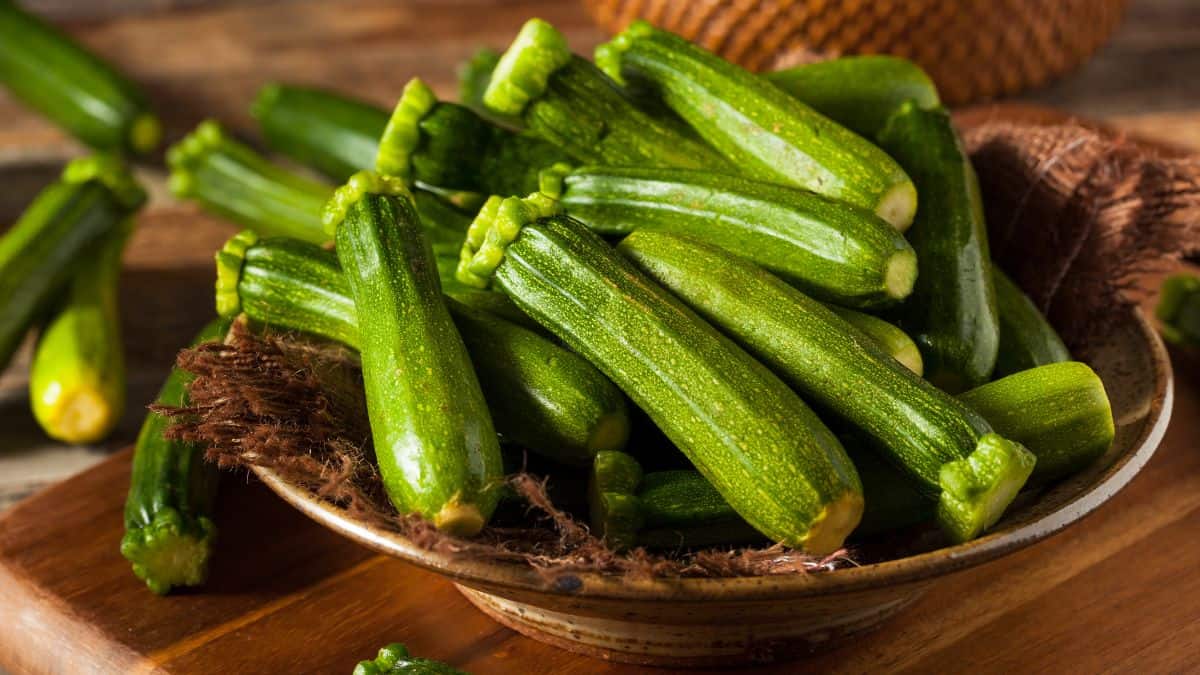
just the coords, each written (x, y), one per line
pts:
(832, 250)
(947, 448)
(331, 133)
(437, 450)
(169, 531)
(1178, 309)
(94, 198)
(858, 92)
(765, 451)
(1027, 340)
(394, 659)
(58, 77)
(952, 312)
(893, 340)
(567, 101)
(766, 133)
(77, 379)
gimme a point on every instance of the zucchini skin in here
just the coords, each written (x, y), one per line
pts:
(331, 133)
(858, 92)
(438, 453)
(762, 130)
(832, 250)
(1027, 340)
(77, 378)
(1060, 411)
(541, 396)
(753, 438)
(893, 340)
(62, 80)
(1178, 310)
(952, 311)
(38, 255)
(169, 532)
(394, 659)
(474, 76)
(948, 449)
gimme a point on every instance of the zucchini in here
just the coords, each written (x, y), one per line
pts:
(394, 659)
(169, 531)
(952, 311)
(835, 251)
(541, 396)
(948, 449)
(331, 133)
(474, 76)
(614, 511)
(1059, 411)
(1027, 340)
(94, 197)
(59, 78)
(1178, 309)
(768, 134)
(567, 101)
(893, 340)
(437, 450)
(449, 146)
(858, 92)
(753, 438)
(77, 379)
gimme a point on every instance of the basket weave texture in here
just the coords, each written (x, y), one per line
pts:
(974, 49)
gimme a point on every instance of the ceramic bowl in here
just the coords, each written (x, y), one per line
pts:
(707, 622)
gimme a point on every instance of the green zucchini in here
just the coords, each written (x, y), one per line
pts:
(474, 76)
(768, 134)
(952, 312)
(614, 511)
(567, 101)
(835, 251)
(94, 197)
(77, 379)
(1059, 411)
(893, 340)
(858, 92)
(753, 438)
(394, 659)
(437, 450)
(331, 133)
(948, 449)
(1178, 309)
(59, 78)
(169, 531)
(1027, 339)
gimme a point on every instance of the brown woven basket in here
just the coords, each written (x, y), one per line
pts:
(973, 49)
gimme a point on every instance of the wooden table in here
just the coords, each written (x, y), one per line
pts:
(1119, 591)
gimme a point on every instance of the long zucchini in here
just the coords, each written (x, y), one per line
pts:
(437, 451)
(952, 312)
(894, 341)
(1027, 339)
(948, 449)
(567, 101)
(835, 251)
(768, 134)
(94, 197)
(1178, 309)
(62, 80)
(765, 451)
(169, 531)
(77, 379)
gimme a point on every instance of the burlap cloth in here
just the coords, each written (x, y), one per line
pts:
(1074, 216)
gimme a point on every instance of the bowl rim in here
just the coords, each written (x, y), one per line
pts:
(909, 569)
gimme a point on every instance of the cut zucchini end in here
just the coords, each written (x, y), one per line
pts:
(898, 205)
(910, 357)
(358, 186)
(230, 260)
(145, 134)
(79, 415)
(498, 223)
(171, 551)
(976, 490)
(459, 520)
(835, 522)
(608, 55)
(196, 146)
(402, 135)
(525, 68)
(900, 274)
(110, 172)
(617, 518)
(610, 433)
(551, 179)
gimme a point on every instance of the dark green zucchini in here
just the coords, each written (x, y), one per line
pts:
(169, 530)
(333, 134)
(567, 101)
(1178, 310)
(614, 511)
(58, 77)
(753, 438)
(77, 378)
(438, 453)
(94, 197)
(858, 92)
(952, 311)
(834, 251)
(893, 340)
(394, 659)
(766, 133)
(947, 448)
(1027, 340)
